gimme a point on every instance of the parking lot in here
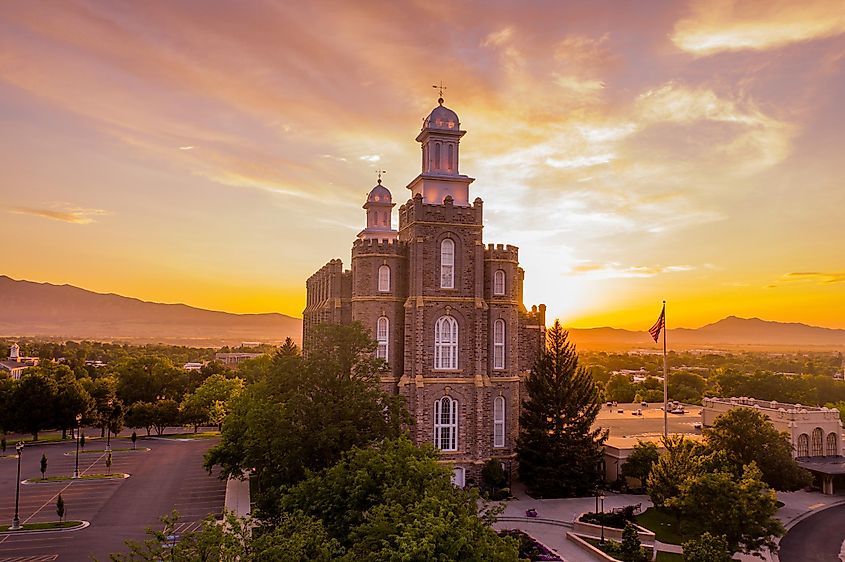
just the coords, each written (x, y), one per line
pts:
(169, 476)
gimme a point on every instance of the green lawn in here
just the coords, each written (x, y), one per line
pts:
(121, 450)
(83, 477)
(47, 525)
(669, 557)
(664, 525)
(203, 435)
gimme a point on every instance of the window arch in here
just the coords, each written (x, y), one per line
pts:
(803, 445)
(382, 337)
(446, 343)
(499, 344)
(437, 155)
(450, 149)
(446, 424)
(499, 421)
(384, 279)
(447, 264)
(830, 446)
(818, 434)
(499, 282)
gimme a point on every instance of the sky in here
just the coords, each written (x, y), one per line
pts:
(218, 153)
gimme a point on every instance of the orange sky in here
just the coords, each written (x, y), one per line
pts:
(217, 153)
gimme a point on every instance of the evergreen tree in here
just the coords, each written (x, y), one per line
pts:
(60, 507)
(631, 547)
(559, 452)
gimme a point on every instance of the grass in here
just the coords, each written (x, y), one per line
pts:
(83, 477)
(203, 435)
(669, 557)
(611, 547)
(664, 525)
(41, 526)
(121, 450)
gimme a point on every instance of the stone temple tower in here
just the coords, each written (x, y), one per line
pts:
(446, 310)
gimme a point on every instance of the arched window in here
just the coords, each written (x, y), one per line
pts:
(382, 337)
(499, 344)
(817, 450)
(447, 264)
(446, 343)
(499, 282)
(384, 279)
(803, 445)
(830, 446)
(437, 155)
(446, 424)
(451, 151)
(499, 421)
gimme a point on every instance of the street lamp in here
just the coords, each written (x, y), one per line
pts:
(76, 467)
(16, 522)
(601, 499)
(108, 426)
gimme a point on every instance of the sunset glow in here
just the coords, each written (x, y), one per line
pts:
(218, 153)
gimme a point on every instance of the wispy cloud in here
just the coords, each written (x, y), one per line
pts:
(617, 271)
(734, 25)
(817, 276)
(73, 215)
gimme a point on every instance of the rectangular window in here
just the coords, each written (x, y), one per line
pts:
(447, 264)
(499, 422)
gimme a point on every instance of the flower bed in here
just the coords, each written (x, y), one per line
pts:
(529, 548)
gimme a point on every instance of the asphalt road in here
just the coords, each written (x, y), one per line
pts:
(169, 476)
(815, 539)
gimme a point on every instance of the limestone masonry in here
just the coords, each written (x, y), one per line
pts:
(446, 309)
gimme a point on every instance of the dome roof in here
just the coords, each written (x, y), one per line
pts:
(379, 194)
(442, 118)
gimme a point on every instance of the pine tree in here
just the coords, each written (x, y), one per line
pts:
(559, 452)
(60, 507)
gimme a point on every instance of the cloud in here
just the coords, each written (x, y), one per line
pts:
(734, 25)
(73, 215)
(817, 276)
(617, 271)
(497, 38)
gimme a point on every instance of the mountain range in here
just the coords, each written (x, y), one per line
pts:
(29, 309)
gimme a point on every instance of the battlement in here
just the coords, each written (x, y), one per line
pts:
(334, 266)
(536, 316)
(417, 210)
(501, 252)
(385, 246)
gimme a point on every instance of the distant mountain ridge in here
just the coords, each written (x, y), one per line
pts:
(29, 309)
(730, 331)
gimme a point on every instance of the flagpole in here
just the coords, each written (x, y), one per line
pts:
(665, 379)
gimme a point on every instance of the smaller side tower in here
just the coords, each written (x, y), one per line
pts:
(379, 207)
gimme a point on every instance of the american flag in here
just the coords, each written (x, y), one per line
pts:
(659, 325)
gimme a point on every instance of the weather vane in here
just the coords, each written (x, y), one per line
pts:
(380, 172)
(439, 87)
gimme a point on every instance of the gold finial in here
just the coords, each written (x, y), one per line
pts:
(439, 87)
(380, 172)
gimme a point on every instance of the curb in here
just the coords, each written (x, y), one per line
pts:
(810, 513)
(98, 451)
(82, 525)
(514, 519)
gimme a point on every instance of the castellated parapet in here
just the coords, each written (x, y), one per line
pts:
(502, 252)
(415, 210)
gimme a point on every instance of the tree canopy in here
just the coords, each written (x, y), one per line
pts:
(559, 451)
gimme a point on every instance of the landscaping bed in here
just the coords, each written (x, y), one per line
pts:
(49, 479)
(529, 548)
(41, 526)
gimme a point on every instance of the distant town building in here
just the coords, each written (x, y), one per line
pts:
(15, 364)
(446, 310)
(815, 433)
(193, 366)
(233, 359)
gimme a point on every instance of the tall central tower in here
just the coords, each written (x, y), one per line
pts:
(441, 138)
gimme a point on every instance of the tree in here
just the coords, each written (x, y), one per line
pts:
(33, 402)
(165, 413)
(307, 413)
(742, 510)
(639, 462)
(620, 389)
(631, 547)
(392, 501)
(71, 400)
(838, 406)
(148, 378)
(559, 452)
(707, 548)
(208, 403)
(686, 387)
(60, 507)
(104, 392)
(141, 415)
(108, 461)
(680, 460)
(746, 435)
(43, 465)
(82, 441)
(134, 438)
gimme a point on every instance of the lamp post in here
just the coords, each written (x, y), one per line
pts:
(76, 467)
(16, 522)
(601, 499)
(108, 426)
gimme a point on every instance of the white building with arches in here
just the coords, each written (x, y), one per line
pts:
(815, 432)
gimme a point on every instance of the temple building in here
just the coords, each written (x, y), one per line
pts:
(445, 309)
